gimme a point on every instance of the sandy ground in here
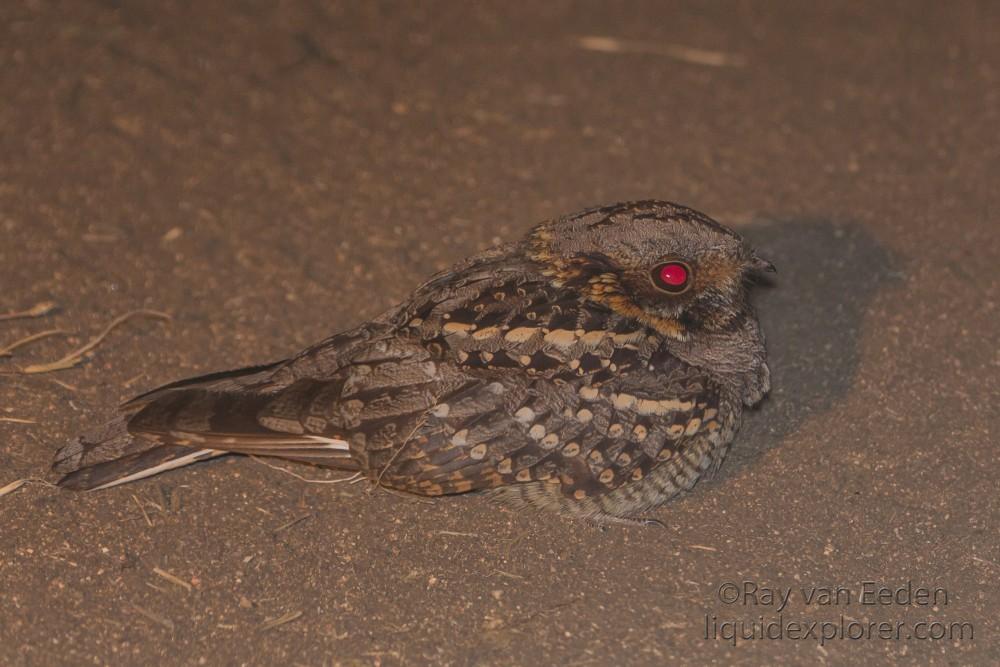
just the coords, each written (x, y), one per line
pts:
(268, 173)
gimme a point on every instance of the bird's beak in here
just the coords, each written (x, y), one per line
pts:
(759, 264)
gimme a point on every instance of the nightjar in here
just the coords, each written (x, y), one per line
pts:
(597, 367)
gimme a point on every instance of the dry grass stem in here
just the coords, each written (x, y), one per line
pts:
(293, 522)
(281, 620)
(406, 441)
(76, 356)
(8, 351)
(12, 487)
(65, 385)
(173, 578)
(685, 54)
(18, 483)
(38, 310)
(154, 617)
(509, 575)
(17, 420)
(305, 479)
(143, 510)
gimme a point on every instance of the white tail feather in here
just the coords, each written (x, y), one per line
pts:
(194, 456)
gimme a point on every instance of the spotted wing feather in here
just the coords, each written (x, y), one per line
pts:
(583, 440)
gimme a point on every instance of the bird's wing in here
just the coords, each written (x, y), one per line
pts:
(238, 379)
(579, 436)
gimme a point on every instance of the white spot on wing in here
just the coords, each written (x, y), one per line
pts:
(525, 415)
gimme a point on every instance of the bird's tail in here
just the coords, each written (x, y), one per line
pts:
(193, 421)
(110, 455)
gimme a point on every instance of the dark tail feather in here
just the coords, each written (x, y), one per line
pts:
(243, 423)
(112, 440)
(178, 426)
(131, 467)
(224, 381)
(110, 455)
(104, 443)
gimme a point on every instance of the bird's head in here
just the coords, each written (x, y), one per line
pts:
(667, 266)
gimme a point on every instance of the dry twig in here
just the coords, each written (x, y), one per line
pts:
(281, 620)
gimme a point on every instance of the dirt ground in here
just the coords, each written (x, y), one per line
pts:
(268, 173)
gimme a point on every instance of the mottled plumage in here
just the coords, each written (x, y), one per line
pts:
(560, 371)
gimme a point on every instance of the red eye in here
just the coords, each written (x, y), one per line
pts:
(672, 277)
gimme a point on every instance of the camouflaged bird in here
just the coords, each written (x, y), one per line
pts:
(597, 367)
